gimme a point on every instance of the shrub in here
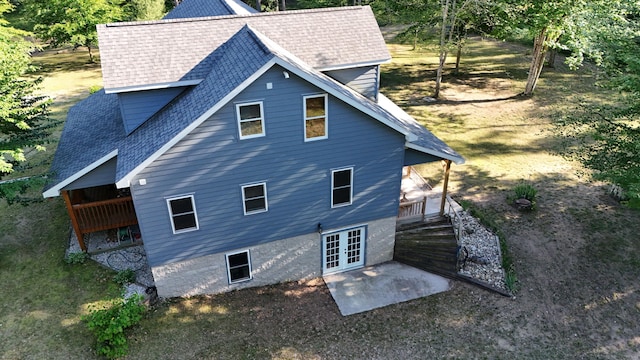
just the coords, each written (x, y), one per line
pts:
(94, 89)
(525, 191)
(109, 325)
(124, 277)
(77, 258)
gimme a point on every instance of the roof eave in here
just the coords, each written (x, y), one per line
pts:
(458, 160)
(166, 85)
(55, 190)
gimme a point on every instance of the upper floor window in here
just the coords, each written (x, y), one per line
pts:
(254, 198)
(250, 120)
(183, 214)
(341, 187)
(315, 117)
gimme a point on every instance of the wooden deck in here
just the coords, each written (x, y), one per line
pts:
(98, 209)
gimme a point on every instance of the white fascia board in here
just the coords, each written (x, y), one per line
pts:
(456, 159)
(157, 86)
(55, 191)
(126, 180)
(356, 104)
(354, 65)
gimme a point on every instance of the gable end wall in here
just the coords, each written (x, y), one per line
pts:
(212, 163)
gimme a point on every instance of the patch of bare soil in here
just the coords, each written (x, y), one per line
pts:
(577, 259)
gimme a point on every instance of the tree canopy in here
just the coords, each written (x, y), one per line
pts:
(71, 21)
(23, 115)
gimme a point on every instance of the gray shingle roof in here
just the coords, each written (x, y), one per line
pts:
(235, 61)
(160, 52)
(94, 126)
(93, 130)
(202, 8)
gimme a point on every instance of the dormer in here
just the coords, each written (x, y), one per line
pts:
(137, 107)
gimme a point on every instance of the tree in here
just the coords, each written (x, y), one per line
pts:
(71, 21)
(24, 121)
(556, 24)
(606, 137)
(145, 9)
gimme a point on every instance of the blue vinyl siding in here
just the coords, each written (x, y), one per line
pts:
(138, 106)
(212, 164)
(361, 79)
(104, 174)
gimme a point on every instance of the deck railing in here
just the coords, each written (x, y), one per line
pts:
(106, 214)
(412, 208)
(455, 218)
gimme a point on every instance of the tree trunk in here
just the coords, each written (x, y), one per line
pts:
(551, 59)
(458, 56)
(537, 62)
(258, 6)
(443, 48)
(90, 54)
(284, 5)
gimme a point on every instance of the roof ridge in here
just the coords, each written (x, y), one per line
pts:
(222, 17)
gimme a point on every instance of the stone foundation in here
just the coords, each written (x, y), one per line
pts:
(294, 258)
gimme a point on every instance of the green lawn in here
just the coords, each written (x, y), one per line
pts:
(577, 256)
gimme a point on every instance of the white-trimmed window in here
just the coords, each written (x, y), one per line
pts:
(315, 117)
(250, 120)
(239, 266)
(182, 211)
(254, 198)
(341, 187)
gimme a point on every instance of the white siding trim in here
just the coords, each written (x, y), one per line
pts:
(55, 191)
(239, 121)
(305, 119)
(350, 168)
(171, 214)
(153, 86)
(244, 199)
(226, 256)
(126, 180)
(354, 65)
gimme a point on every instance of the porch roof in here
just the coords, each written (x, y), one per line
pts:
(92, 135)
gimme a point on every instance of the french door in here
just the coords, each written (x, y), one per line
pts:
(343, 250)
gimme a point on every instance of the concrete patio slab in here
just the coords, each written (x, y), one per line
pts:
(385, 284)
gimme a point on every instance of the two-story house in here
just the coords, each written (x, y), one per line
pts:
(250, 149)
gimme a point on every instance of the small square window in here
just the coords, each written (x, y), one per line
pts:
(254, 198)
(341, 187)
(315, 117)
(182, 211)
(250, 120)
(239, 266)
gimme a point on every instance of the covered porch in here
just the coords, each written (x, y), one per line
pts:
(105, 212)
(418, 199)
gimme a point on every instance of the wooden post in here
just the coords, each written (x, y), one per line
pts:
(74, 221)
(424, 206)
(446, 167)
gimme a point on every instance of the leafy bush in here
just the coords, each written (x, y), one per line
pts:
(124, 277)
(94, 89)
(525, 191)
(77, 258)
(109, 325)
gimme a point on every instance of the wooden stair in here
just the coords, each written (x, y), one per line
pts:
(430, 245)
